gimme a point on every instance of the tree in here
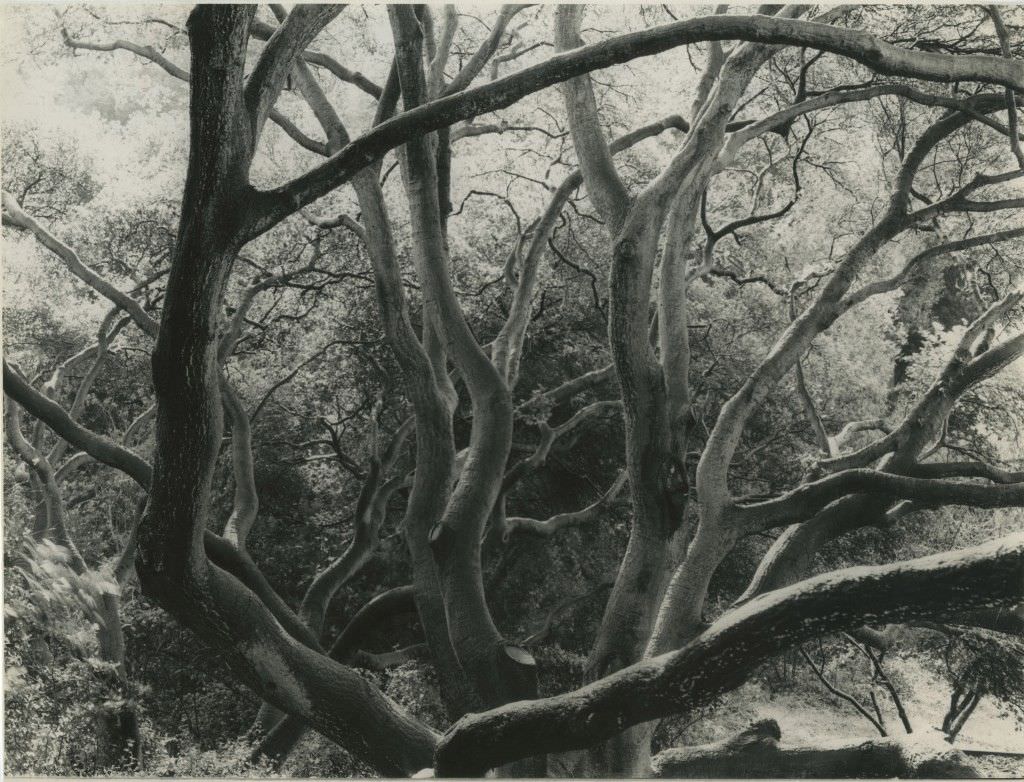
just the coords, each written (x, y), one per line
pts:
(654, 654)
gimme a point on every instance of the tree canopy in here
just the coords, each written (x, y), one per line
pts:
(586, 361)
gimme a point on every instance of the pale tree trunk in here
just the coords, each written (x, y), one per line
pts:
(680, 613)
(498, 671)
(655, 394)
(629, 613)
(653, 541)
(432, 403)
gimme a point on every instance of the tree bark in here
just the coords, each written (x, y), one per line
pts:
(226, 114)
(499, 672)
(722, 657)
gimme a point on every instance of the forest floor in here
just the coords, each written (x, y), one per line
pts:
(809, 714)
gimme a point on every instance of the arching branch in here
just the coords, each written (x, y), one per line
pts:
(720, 658)
(882, 57)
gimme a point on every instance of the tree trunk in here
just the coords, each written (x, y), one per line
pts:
(500, 673)
(226, 114)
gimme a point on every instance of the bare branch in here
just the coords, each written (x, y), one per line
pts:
(288, 41)
(882, 57)
(820, 674)
(479, 59)
(151, 54)
(806, 500)
(560, 521)
(14, 215)
(884, 286)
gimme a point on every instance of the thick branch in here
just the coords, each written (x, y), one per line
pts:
(864, 47)
(721, 658)
(56, 417)
(263, 31)
(288, 41)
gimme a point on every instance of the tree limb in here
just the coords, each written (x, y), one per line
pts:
(721, 658)
(274, 205)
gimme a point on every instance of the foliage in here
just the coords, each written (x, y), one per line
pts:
(55, 685)
(321, 385)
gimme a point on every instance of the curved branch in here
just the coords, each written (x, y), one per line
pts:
(56, 417)
(853, 427)
(568, 389)
(264, 31)
(595, 159)
(882, 57)
(476, 63)
(151, 54)
(560, 521)
(804, 501)
(275, 62)
(40, 465)
(838, 97)
(966, 470)
(721, 658)
(14, 215)
(246, 500)
(897, 281)
(280, 740)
